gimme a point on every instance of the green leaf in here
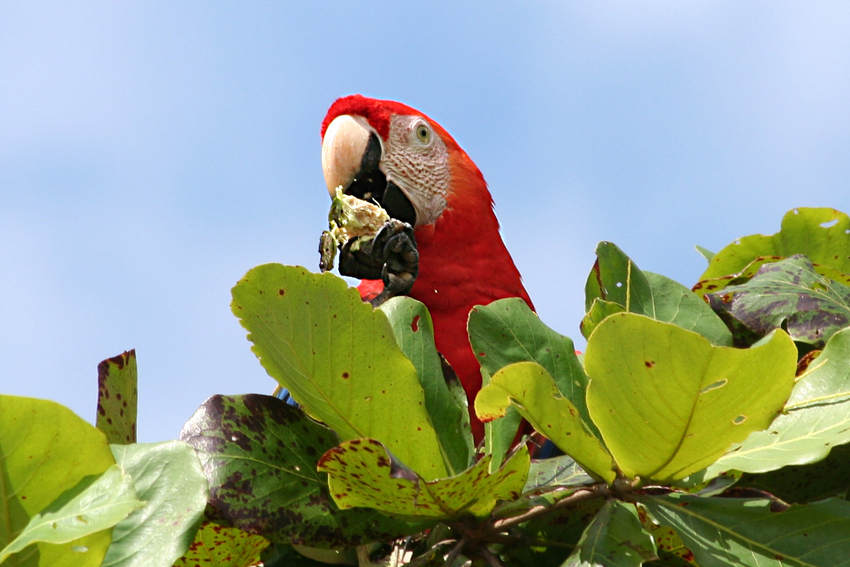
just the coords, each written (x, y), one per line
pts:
(788, 294)
(549, 480)
(823, 235)
(508, 331)
(757, 532)
(339, 359)
(446, 402)
(615, 279)
(216, 545)
(94, 505)
(715, 285)
(615, 538)
(549, 539)
(169, 478)
(556, 473)
(363, 473)
(45, 450)
(599, 310)
(530, 388)
(259, 455)
(815, 418)
(117, 397)
(669, 403)
(282, 555)
(806, 483)
(705, 253)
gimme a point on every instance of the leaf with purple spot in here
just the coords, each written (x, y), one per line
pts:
(259, 456)
(363, 473)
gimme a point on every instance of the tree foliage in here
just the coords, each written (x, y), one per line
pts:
(704, 426)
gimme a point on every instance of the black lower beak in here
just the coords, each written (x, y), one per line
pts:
(370, 184)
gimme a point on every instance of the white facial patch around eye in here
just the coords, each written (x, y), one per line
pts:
(420, 169)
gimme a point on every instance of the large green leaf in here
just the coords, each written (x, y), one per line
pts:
(530, 388)
(669, 403)
(823, 235)
(259, 456)
(339, 359)
(45, 450)
(615, 538)
(508, 331)
(816, 418)
(169, 478)
(216, 545)
(363, 473)
(117, 397)
(94, 505)
(757, 532)
(445, 399)
(799, 484)
(787, 294)
(616, 284)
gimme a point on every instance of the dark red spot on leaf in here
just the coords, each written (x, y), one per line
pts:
(414, 325)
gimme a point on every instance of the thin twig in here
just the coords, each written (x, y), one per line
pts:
(594, 491)
(455, 552)
(491, 559)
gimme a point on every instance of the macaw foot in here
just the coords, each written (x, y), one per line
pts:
(391, 257)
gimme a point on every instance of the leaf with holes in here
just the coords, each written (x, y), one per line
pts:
(787, 294)
(508, 331)
(363, 473)
(45, 450)
(815, 418)
(821, 234)
(259, 456)
(339, 359)
(615, 280)
(215, 545)
(117, 397)
(528, 387)
(669, 403)
(168, 477)
(445, 399)
(615, 538)
(756, 532)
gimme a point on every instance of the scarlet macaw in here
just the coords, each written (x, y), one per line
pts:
(391, 154)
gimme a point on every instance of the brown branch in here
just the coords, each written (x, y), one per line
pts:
(595, 491)
(455, 552)
(491, 559)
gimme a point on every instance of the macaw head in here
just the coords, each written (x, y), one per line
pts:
(391, 154)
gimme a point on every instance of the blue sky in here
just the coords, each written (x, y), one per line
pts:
(153, 152)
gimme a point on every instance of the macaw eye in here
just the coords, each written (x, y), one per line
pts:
(423, 133)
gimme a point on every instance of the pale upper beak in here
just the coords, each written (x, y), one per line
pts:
(343, 149)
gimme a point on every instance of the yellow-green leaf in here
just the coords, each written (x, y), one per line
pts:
(668, 403)
(361, 472)
(530, 388)
(339, 358)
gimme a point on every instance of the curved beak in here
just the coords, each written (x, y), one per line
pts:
(350, 150)
(351, 160)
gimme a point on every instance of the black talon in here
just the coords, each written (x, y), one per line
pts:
(391, 257)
